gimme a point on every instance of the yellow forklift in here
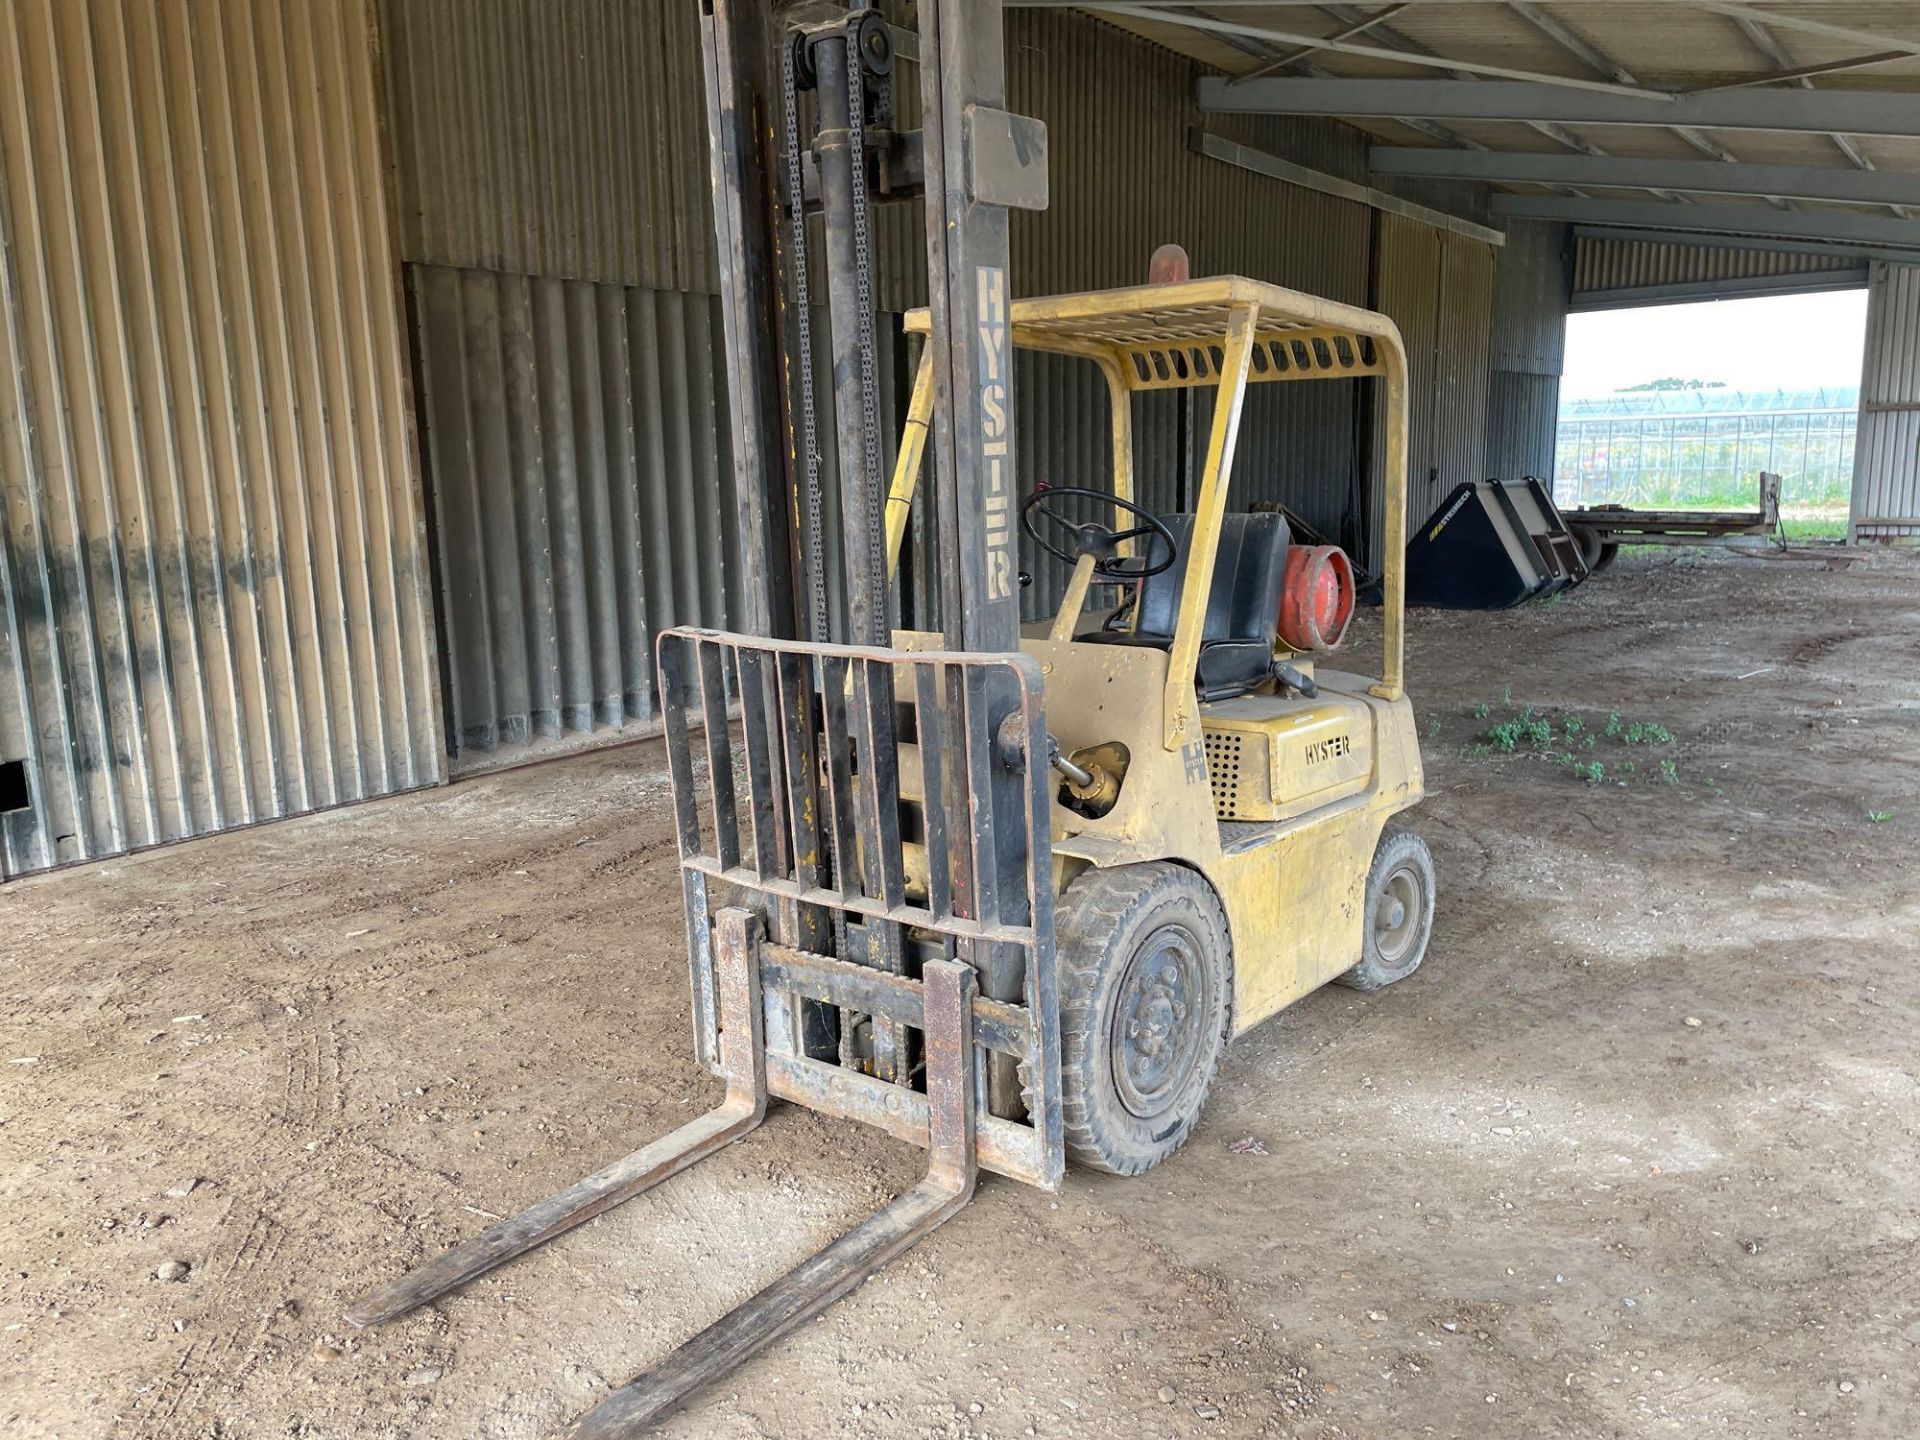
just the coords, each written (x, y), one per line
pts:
(1001, 892)
(1220, 837)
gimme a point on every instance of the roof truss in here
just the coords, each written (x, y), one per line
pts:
(1854, 112)
(1708, 177)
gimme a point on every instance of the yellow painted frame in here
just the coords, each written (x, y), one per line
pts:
(1228, 332)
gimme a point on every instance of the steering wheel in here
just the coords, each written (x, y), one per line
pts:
(1097, 540)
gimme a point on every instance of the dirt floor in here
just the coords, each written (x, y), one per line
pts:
(1633, 1155)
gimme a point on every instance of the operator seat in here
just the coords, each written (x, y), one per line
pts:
(1236, 643)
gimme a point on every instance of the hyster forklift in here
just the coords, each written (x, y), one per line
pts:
(1002, 894)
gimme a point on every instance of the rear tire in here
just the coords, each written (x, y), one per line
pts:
(1398, 914)
(1146, 987)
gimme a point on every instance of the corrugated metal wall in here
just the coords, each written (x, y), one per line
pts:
(1407, 287)
(1611, 272)
(212, 574)
(1459, 434)
(550, 158)
(552, 137)
(1438, 287)
(577, 439)
(1886, 456)
(1523, 418)
(1527, 349)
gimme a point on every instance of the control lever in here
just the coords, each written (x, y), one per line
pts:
(1295, 678)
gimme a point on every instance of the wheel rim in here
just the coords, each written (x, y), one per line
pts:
(1397, 914)
(1159, 1022)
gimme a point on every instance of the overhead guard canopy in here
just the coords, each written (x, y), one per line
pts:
(1169, 337)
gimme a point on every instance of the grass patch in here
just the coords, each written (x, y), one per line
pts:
(1534, 730)
(1571, 740)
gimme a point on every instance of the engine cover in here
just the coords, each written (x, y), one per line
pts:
(1272, 759)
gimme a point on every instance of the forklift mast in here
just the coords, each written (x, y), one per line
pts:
(970, 162)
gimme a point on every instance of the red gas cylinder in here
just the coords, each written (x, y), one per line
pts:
(1316, 597)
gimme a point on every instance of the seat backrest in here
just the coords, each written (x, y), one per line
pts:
(1244, 603)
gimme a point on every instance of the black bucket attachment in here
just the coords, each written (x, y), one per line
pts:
(1491, 545)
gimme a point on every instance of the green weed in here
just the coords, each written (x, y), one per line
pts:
(1507, 735)
(1879, 817)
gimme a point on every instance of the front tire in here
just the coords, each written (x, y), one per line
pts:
(1146, 986)
(1399, 912)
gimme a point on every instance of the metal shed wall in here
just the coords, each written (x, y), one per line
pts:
(1886, 456)
(1613, 272)
(565, 138)
(1527, 349)
(550, 159)
(212, 608)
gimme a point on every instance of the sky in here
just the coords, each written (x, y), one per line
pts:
(1770, 342)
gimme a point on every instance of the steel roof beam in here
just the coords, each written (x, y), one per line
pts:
(1856, 112)
(1711, 177)
(1856, 229)
(1803, 73)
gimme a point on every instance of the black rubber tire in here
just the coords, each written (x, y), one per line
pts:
(1401, 863)
(1608, 554)
(1117, 933)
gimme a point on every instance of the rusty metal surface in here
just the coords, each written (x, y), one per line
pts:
(213, 604)
(737, 977)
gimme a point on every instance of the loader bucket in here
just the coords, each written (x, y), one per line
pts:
(1491, 545)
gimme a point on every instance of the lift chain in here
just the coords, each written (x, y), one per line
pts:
(816, 556)
(815, 559)
(876, 556)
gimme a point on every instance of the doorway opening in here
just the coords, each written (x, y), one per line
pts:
(1682, 406)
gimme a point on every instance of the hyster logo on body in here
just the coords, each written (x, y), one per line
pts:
(1332, 748)
(991, 306)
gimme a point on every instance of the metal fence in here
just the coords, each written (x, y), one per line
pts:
(1704, 448)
